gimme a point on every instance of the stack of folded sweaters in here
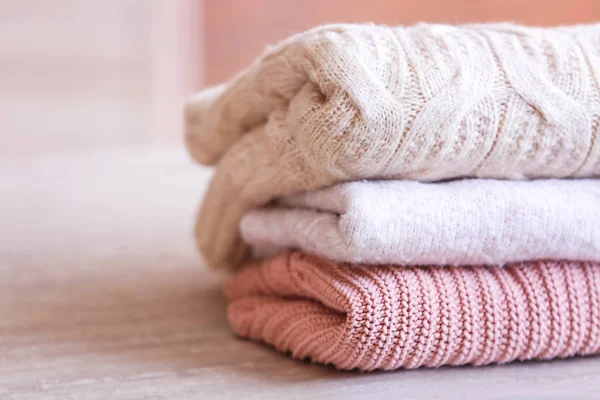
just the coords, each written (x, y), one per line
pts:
(397, 197)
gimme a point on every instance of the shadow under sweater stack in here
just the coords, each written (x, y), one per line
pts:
(397, 197)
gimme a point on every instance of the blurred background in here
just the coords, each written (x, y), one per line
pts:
(77, 74)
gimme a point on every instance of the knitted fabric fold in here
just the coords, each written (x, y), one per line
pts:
(386, 317)
(465, 222)
(428, 102)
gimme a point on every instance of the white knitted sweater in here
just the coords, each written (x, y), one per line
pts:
(427, 102)
(464, 222)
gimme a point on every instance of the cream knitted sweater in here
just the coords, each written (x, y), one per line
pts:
(427, 102)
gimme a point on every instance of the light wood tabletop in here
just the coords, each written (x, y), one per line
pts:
(103, 296)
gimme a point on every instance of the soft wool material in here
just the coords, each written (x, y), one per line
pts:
(386, 317)
(462, 222)
(427, 102)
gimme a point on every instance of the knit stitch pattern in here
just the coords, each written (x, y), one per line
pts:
(464, 222)
(385, 317)
(428, 102)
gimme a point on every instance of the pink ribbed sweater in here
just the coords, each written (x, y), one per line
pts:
(385, 317)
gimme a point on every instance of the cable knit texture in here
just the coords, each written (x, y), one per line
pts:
(428, 102)
(386, 317)
(466, 222)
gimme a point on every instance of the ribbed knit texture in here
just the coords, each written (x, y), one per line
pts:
(427, 102)
(465, 222)
(386, 317)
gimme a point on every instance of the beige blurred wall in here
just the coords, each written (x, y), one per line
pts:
(83, 73)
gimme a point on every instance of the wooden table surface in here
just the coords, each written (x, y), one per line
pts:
(102, 296)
